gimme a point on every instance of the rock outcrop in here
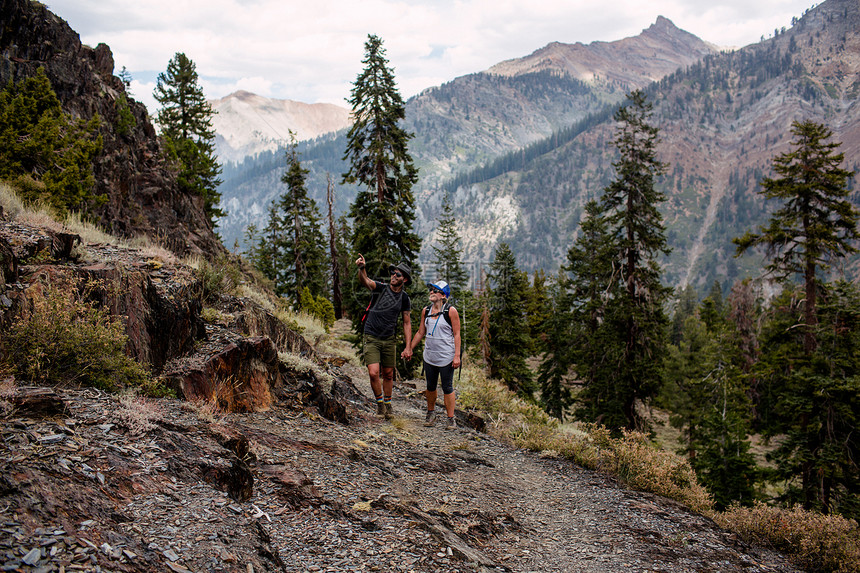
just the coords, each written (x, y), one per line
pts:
(132, 170)
(232, 366)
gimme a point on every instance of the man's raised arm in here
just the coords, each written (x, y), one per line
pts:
(362, 273)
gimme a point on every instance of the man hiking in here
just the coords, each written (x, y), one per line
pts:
(387, 302)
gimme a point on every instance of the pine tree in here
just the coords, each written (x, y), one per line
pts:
(538, 312)
(185, 119)
(508, 330)
(816, 224)
(303, 250)
(448, 255)
(594, 346)
(705, 392)
(634, 312)
(291, 251)
(44, 153)
(814, 402)
(379, 161)
(555, 395)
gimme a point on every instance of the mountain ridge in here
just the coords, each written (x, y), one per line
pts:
(246, 123)
(468, 121)
(593, 62)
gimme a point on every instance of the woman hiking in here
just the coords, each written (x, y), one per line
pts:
(440, 323)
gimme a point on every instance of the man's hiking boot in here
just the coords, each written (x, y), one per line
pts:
(451, 424)
(380, 409)
(389, 411)
(430, 420)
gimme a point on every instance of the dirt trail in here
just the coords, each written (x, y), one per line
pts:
(98, 489)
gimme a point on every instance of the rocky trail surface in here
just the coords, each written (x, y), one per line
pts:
(95, 482)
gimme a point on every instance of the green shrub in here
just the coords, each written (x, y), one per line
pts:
(816, 542)
(216, 279)
(72, 342)
(318, 307)
(125, 121)
(37, 137)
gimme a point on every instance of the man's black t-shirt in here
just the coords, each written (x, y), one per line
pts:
(381, 320)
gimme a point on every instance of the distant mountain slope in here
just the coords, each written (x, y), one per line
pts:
(722, 120)
(474, 119)
(246, 124)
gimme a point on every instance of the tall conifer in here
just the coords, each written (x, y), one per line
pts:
(633, 320)
(816, 224)
(812, 388)
(447, 257)
(379, 161)
(185, 118)
(508, 329)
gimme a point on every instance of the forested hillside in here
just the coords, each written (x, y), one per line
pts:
(721, 121)
(473, 120)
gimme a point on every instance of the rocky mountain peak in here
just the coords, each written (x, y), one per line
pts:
(632, 62)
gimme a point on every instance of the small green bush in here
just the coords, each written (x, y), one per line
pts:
(318, 307)
(72, 342)
(814, 541)
(219, 278)
(125, 120)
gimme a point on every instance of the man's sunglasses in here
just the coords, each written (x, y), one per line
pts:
(396, 274)
(435, 290)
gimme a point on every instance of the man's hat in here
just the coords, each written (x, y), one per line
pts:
(442, 286)
(403, 268)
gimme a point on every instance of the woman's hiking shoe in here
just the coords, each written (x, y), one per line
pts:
(430, 420)
(389, 411)
(380, 409)
(451, 424)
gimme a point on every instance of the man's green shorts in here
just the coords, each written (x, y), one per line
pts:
(382, 351)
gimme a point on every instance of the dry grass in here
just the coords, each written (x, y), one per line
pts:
(341, 349)
(251, 292)
(9, 200)
(308, 325)
(137, 413)
(814, 541)
(302, 365)
(88, 231)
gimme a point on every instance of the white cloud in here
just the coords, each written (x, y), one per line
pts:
(312, 51)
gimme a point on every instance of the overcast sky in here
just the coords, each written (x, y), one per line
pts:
(311, 51)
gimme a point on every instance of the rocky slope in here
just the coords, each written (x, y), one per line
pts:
(246, 124)
(271, 463)
(143, 196)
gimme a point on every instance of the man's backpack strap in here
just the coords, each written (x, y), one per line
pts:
(373, 298)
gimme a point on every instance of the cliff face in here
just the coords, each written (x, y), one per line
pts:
(143, 196)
